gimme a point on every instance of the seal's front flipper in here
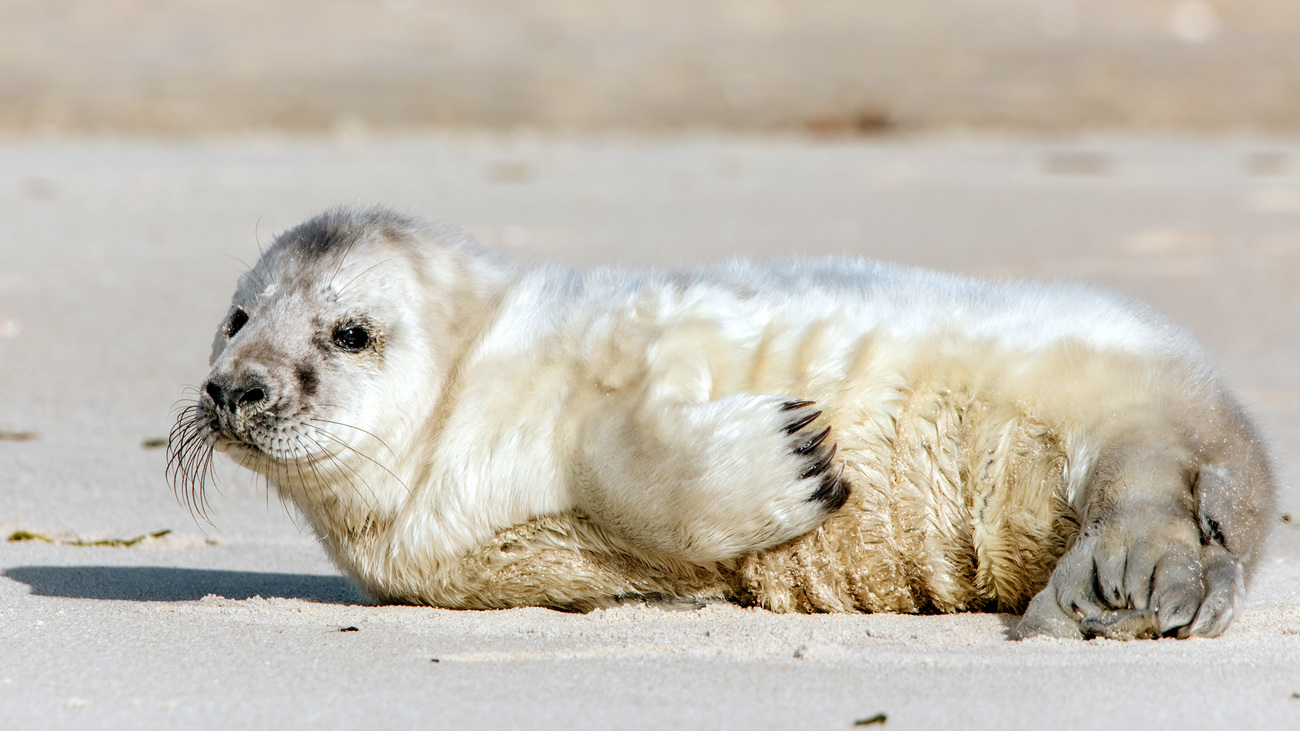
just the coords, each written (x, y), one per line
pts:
(709, 481)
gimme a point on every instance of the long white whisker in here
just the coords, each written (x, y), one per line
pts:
(350, 448)
(346, 466)
(357, 428)
(344, 288)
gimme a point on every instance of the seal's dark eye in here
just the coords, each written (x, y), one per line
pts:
(236, 321)
(352, 339)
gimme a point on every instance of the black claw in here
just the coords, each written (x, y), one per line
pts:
(1211, 532)
(795, 426)
(821, 466)
(833, 491)
(812, 443)
(792, 405)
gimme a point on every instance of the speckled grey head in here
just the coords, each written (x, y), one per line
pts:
(303, 363)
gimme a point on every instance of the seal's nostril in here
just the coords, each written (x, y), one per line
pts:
(216, 393)
(228, 398)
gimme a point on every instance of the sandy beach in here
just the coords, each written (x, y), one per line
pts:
(839, 67)
(117, 260)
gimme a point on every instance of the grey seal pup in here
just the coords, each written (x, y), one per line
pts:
(466, 431)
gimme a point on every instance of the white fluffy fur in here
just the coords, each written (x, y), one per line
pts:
(986, 429)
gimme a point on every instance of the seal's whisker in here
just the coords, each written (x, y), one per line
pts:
(247, 271)
(251, 272)
(189, 463)
(257, 237)
(299, 437)
(342, 260)
(370, 434)
(349, 479)
(190, 450)
(268, 489)
(191, 403)
(321, 487)
(208, 454)
(198, 464)
(184, 422)
(347, 466)
(201, 458)
(185, 429)
(297, 465)
(283, 495)
(191, 447)
(363, 455)
(344, 288)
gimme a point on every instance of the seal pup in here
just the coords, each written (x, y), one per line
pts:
(466, 431)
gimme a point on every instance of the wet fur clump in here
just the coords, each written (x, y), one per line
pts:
(820, 436)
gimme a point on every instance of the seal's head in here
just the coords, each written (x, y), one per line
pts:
(334, 349)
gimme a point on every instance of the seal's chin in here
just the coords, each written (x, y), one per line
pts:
(279, 450)
(234, 446)
(249, 452)
(228, 446)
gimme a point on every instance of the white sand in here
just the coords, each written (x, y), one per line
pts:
(114, 271)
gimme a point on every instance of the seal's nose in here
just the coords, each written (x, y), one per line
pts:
(236, 395)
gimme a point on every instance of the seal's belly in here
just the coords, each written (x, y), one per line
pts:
(961, 506)
(959, 490)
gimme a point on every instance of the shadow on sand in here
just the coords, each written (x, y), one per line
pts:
(160, 584)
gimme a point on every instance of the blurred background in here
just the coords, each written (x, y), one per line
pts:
(183, 68)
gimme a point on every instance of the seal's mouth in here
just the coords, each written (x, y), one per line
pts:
(265, 437)
(249, 439)
(284, 450)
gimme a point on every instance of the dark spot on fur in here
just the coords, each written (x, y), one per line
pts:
(308, 380)
(349, 629)
(262, 351)
(322, 343)
(1212, 532)
(340, 229)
